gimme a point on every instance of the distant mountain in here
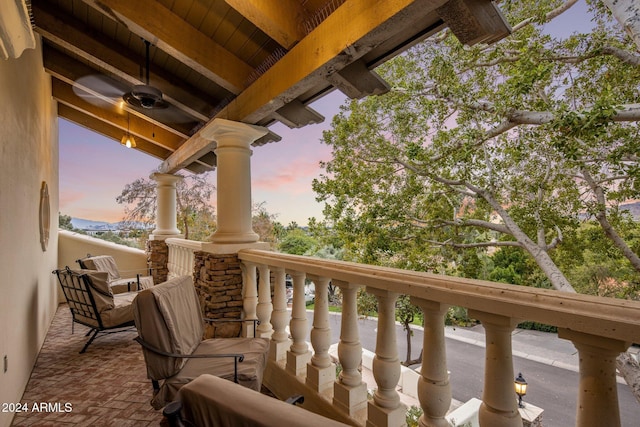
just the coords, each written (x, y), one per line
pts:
(633, 208)
(88, 224)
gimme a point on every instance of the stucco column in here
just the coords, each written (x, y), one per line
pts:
(598, 391)
(234, 179)
(499, 405)
(166, 216)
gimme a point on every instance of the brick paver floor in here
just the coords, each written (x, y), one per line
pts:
(105, 386)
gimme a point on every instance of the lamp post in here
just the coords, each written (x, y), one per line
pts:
(521, 388)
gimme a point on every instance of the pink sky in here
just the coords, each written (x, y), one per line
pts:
(94, 170)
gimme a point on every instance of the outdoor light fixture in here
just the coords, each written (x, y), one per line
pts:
(127, 139)
(521, 389)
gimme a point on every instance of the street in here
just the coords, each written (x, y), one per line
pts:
(550, 388)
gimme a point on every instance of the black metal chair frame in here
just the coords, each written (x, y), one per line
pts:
(78, 292)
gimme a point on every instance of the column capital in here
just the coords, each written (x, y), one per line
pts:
(165, 178)
(231, 133)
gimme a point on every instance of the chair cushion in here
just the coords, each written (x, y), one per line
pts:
(212, 401)
(103, 263)
(121, 312)
(160, 331)
(250, 370)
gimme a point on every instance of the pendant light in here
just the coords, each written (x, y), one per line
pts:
(127, 139)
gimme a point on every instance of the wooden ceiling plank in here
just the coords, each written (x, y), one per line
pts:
(172, 34)
(281, 20)
(118, 118)
(72, 36)
(67, 112)
(69, 70)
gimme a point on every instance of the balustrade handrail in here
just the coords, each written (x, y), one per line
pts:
(601, 316)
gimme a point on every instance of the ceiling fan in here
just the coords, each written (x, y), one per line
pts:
(144, 98)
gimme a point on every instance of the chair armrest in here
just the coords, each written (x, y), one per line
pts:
(237, 357)
(255, 322)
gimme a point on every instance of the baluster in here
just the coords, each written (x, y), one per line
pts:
(265, 307)
(499, 407)
(250, 297)
(598, 390)
(280, 339)
(386, 409)
(321, 373)
(434, 390)
(349, 392)
(298, 354)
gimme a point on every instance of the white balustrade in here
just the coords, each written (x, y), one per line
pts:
(298, 354)
(280, 339)
(600, 328)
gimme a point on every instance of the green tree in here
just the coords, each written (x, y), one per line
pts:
(501, 146)
(64, 222)
(195, 214)
(297, 242)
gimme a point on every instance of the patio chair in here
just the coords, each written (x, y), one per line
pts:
(211, 401)
(93, 304)
(116, 281)
(170, 329)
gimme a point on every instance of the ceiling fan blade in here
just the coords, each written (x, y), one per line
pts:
(100, 86)
(166, 113)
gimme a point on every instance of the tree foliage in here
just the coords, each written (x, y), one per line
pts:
(195, 214)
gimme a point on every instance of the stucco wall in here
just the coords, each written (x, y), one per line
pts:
(28, 156)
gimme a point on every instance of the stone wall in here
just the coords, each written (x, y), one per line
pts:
(218, 280)
(158, 253)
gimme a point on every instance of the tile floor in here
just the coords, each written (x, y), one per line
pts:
(105, 386)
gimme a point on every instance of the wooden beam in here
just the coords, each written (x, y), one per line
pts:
(281, 20)
(80, 40)
(346, 35)
(354, 29)
(154, 22)
(357, 81)
(296, 115)
(103, 128)
(116, 117)
(475, 21)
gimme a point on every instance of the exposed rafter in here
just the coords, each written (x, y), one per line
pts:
(281, 20)
(154, 22)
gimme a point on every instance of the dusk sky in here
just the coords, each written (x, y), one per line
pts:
(94, 170)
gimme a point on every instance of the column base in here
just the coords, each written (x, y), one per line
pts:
(321, 379)
(297, 363)
(278, 350)
(385, 417)
(234, 238)
(350, 399)
(492, 417)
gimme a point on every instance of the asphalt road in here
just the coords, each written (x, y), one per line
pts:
(551, 388)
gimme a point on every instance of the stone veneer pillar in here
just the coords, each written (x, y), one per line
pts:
(166, 225)
(233, 179)
(218, 281)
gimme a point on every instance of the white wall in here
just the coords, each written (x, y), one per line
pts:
(28, 156)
